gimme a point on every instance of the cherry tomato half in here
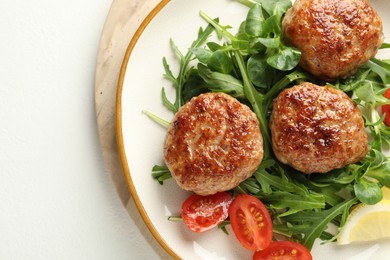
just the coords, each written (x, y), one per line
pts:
(202, 213)
(286, 250)
(251, 222)
(386, 108)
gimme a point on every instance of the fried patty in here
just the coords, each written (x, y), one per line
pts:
(316, 129)
(335, 37)
(213, 143)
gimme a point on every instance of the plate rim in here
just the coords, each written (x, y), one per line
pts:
(119, 134)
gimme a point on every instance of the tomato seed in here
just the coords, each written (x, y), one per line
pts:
(261, 225)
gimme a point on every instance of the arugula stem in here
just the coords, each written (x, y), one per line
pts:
(254, 97)
(156, 119)
(161, 173)
(328, 216)
(256, 100)
(283, 83)
(248, 3)
(217, 26)
(182, 76)
(181, 80)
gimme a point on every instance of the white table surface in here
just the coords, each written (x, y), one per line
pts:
(56, 198)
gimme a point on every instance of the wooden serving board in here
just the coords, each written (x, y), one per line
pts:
(124, 18)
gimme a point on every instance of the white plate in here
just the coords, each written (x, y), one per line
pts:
(141, 140)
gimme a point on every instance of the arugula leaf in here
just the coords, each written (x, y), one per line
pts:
(220, 82)
(202, 54)
(179, 80)
(293, 203)
(313, 223)
(382, 68)
(194, 85)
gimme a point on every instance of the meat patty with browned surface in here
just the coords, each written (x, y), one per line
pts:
(336, 37)
(213, 143)
(317, 129)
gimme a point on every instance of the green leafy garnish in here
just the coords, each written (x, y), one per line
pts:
(254, 65)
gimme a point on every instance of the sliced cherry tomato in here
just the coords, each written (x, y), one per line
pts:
(251, 222)
(386, 108)
(387, 93)
(201, 213)
(286, 250)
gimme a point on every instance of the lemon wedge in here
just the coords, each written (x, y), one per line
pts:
(367, 223)
(386, 193)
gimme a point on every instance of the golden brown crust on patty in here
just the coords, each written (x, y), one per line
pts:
(317, 129)
(213, 143)
(335, 36)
